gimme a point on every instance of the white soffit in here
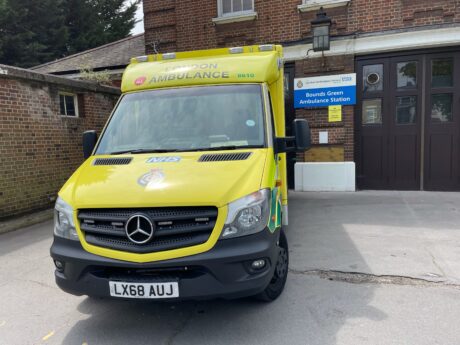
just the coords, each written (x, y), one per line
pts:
(380, 43)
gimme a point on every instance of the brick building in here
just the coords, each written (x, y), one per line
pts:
(42, 118)
(404, 131)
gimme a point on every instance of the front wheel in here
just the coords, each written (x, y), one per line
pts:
(276, 285)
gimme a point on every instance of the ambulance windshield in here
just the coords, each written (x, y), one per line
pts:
(186, 119)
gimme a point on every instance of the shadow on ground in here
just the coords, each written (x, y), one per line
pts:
(409, 234)
(28, 236)
(311, 310)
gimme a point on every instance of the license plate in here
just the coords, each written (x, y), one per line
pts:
(144, 290)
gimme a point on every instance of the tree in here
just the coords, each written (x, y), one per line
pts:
(32, 31)
(3, 9)
(93, 23)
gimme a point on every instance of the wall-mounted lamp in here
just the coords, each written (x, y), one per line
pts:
(321, 27)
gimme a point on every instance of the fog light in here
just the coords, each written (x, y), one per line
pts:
(59, 265)
(229, 231)
(258, 264)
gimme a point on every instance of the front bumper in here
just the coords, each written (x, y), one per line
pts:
(222, 272)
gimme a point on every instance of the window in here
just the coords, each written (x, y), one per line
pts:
(235, 7)
(406, 110)
(373, 78)
(68, 104)
(442, 73)
(372, 111)
(441, 107)
(187, 119)
(406, 75)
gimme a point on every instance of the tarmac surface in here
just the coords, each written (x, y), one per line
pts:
(366, 268)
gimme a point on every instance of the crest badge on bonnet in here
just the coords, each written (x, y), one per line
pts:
(154, 176)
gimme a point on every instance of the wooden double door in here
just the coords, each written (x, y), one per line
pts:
(407, 127)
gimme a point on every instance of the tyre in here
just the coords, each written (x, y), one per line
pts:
(276, 285)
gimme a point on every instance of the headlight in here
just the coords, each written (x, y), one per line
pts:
(64, 225)
(248, 215)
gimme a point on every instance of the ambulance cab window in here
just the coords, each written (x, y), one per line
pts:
(187, 119)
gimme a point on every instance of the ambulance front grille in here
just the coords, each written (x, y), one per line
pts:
(174, 227)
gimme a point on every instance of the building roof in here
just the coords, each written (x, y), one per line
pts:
(115, 54)
(10, 72)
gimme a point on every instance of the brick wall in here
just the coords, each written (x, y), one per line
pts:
(39, 148)
(187, 25)
(174, 25)
(339, 133)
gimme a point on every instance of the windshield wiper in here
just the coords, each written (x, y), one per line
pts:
(223, 148)
(216, 148)
(134, 151)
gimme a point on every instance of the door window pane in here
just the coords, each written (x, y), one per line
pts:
(372, 111)
(373, 78)
(441, 107)
(406, 110)
(441, 72)
(407, 74)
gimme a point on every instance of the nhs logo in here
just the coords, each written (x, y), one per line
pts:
(167, 159)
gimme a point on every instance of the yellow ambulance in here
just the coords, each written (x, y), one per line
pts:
(184, 193)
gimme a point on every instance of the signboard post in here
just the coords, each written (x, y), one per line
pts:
(325, 91)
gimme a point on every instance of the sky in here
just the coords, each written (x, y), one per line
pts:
(139, 28)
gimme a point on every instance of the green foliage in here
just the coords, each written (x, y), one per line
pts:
(100, 77)
(34, 32)
(93, 23)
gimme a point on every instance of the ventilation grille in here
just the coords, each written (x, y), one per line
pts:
(221, 157)
(112, 161)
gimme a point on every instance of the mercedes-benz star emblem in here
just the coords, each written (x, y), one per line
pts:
(139, 229)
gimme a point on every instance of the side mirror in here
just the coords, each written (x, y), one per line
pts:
(301, 141)
(302, 134)
(89, 142)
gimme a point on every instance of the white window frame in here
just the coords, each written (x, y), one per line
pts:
(233, 17)
(220, 7)
(314, 5)
(75, 102)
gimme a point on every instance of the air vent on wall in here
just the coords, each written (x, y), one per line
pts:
(113, 161)
(222, 157)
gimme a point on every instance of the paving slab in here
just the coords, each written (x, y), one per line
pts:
(414, 234)
(322, 303)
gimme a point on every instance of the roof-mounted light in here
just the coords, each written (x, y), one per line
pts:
(142, 58)
(236, 50)
(169, 56)
(266, 47)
